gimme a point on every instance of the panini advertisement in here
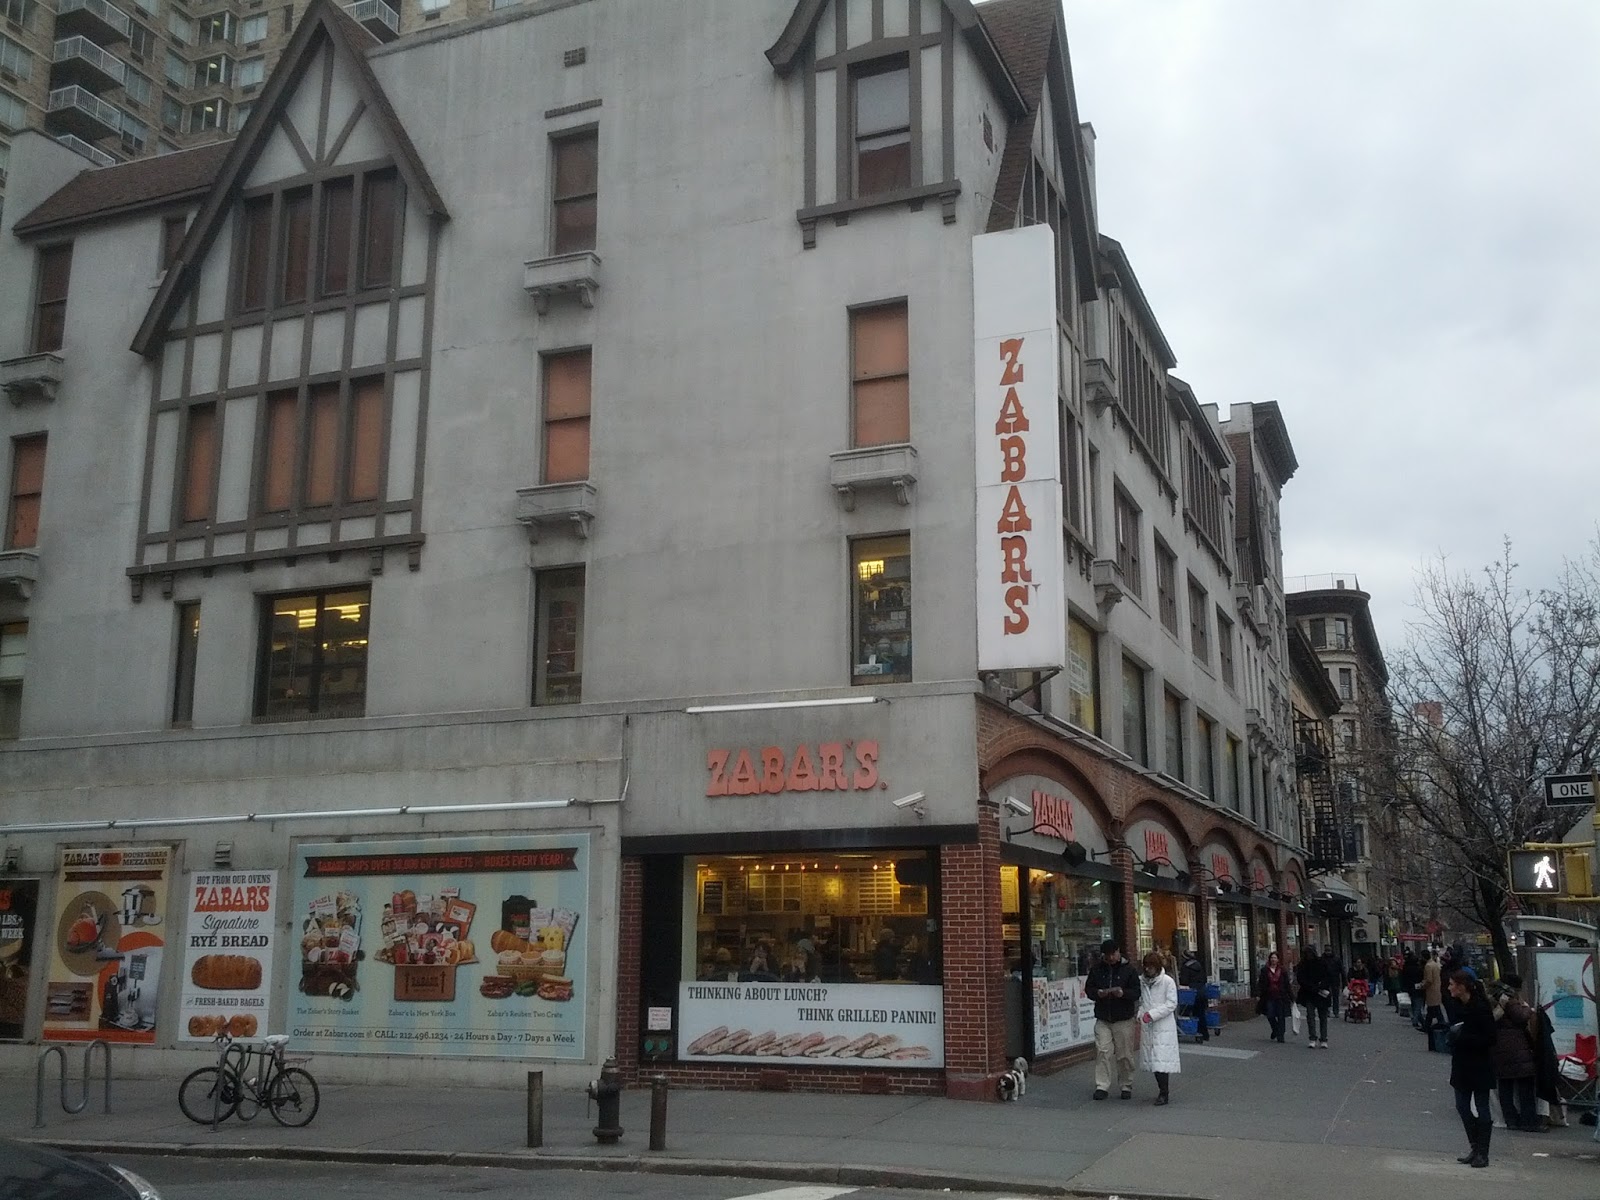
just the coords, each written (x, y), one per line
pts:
(108, 939)
(813, 1024)
(19, 906)
(227, 954)
(448, 946)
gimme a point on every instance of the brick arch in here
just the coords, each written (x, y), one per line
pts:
(1039, 759)
(1299, 869)
(1157, 809)
(1223, 834)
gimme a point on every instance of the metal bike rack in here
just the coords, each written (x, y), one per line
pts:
(83, 1102)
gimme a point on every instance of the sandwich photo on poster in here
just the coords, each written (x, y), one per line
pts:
(108, 937)
(19, 905)
(227, 955)
(450, 946)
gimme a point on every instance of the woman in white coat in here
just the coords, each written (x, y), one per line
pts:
(1158, 1024)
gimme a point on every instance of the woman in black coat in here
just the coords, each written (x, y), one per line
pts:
(1472, 1041)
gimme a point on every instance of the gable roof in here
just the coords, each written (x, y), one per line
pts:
(324, 24)
(104, 192)
(1031, 36)
(802, 25)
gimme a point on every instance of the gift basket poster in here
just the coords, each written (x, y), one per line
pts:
(107, 942)
(227, 954)
(449, 946)
(19, 904)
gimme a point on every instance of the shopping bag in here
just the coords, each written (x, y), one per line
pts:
(1297, 1014)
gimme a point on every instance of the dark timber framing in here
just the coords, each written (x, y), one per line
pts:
(796, 49)
(174, 319)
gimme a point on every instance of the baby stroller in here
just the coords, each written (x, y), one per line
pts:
(1356, 1008)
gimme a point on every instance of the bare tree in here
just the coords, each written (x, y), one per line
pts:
(1497, 686)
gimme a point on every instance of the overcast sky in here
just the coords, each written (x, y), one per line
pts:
(1385, 215)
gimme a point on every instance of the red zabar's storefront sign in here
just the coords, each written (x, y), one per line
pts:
(1015, 522)
(1052, 815)
(1156, 847)
(833, 767)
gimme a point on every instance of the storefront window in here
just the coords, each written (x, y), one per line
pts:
(1266, 936)
(1230, 934)
(829, 918)
(880, 583)
(1166, 922)
(1051, 929)
(1083, 677)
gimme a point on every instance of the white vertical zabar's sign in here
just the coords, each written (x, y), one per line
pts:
(1022, 619)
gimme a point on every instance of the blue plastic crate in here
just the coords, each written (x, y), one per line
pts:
(1188, 1027)
(1213, 991)
(1186, 996)
(1213, 1018)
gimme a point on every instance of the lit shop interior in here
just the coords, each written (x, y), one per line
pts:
(848, 917)
(1052, 924)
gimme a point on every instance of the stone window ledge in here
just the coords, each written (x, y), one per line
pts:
(551, 506)
(913, 198)
(19, 571)
(870, 468)
(31, 377)
(547, 279)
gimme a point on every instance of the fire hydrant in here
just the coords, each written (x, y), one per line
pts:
(607, 1093)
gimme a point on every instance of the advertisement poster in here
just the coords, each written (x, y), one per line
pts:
(1567, 994)
(450, 946)
(107, 941)
(1062, 1015)
(816, 1024)
(227, 955)
(19, 905)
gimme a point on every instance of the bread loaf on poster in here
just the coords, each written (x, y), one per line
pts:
(501, 940)
(226, 972)
(242, 1025)
(205, 1027)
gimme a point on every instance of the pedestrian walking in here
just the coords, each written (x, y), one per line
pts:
(1192, 975)
(1158, 1025)
(1113, 985)
(1432, 997)
(1411, 980)
(1472, 1042)
(1336, 977)
(1515, 1061)
(1273, 995)
(1316, 995)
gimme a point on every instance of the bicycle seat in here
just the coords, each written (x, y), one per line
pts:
(276, 1039)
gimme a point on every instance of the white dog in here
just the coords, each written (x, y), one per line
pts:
(1013, 1084)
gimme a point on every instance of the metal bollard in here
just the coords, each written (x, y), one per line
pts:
(658, 1112)
(535, 1109)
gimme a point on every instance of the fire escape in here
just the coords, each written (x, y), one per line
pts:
(1327, 824)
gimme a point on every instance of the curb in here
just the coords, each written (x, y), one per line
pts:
(842, 1174)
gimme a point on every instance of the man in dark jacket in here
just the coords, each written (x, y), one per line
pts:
(1113, 985)
(1316, 994)
(1336, 977)
(1192, 974)
(1515, 1054)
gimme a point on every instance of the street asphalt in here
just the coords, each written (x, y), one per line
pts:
(1249, 1120)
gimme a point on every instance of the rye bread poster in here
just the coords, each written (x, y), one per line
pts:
(19, 906)
(227, 955)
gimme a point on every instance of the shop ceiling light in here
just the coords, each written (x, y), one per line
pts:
(771, 704)
(869, 568)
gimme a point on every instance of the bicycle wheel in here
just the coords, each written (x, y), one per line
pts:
(197, 1095)
(293, 1097)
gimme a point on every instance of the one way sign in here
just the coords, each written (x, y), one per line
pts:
(1574, 791)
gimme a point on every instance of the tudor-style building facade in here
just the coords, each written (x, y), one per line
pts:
(570, 487)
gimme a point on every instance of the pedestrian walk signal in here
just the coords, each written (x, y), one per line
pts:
(1536, 873)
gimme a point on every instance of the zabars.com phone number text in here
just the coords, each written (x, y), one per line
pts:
(463, 1035)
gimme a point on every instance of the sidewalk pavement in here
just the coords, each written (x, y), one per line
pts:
(1249, 1120)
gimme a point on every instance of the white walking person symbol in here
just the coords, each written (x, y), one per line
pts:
(1544, 874)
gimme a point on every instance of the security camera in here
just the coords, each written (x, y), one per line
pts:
(1018, 807)
(911, 800)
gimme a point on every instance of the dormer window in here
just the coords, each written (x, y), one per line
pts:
(882, 113)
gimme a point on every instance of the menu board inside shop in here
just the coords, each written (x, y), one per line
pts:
(105, 970)
(447, 946)
(812, 1024)
(19, 908)
(227, 955)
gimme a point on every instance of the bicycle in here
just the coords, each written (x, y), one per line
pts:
(288, 1092)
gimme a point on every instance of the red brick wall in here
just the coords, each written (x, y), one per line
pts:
(974, 967)
(630, 920)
